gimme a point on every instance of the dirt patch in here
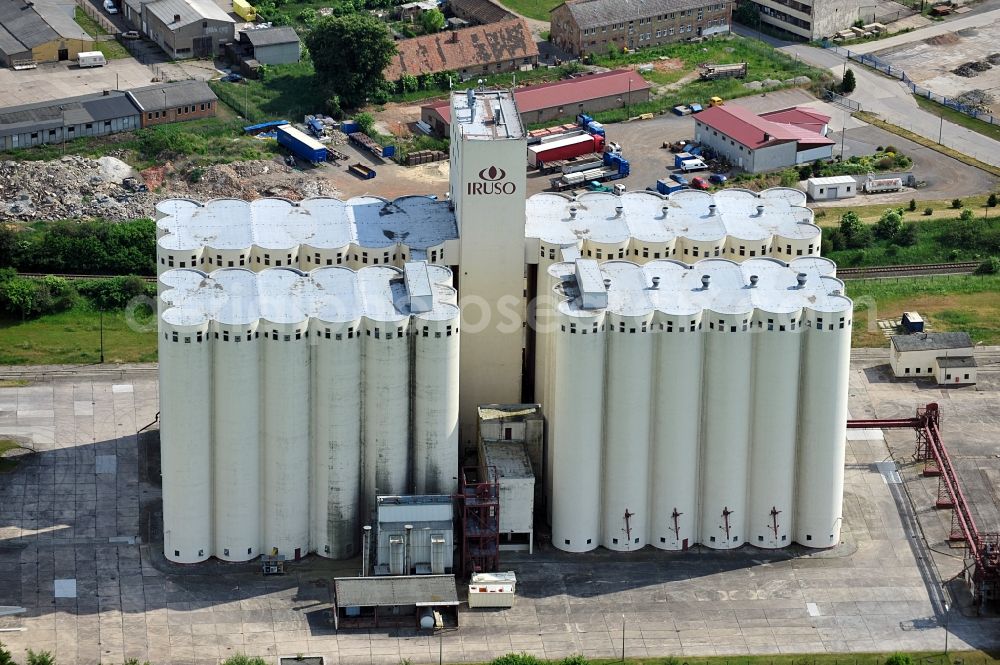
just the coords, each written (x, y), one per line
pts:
(947, 39)
(396, 119)
(668, 64)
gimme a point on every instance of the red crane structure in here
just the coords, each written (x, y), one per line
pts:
(983, 548)
(479, 506)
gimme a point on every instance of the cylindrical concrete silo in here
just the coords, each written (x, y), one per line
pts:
(823, 422)
(676, 440)
(237, 478)
(435, 401)
(336, 412)
(773, 429)
(577, 443)
(726, 427)
(386, 358)
(628, 380)
(185, 356)
(285, 419)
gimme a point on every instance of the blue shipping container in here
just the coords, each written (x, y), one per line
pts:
(349, 127)
(301, 145)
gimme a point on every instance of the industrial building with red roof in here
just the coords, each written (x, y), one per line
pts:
(588, 93)
(767, 142)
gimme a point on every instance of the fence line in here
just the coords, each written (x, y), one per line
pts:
(877, 64)
(840, 100)
(101, 20)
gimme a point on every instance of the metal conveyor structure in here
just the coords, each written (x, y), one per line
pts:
(982, 548)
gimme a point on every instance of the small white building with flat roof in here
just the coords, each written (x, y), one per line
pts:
(832, 188)
(946, 356)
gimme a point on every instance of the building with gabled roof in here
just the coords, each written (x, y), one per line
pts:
(594, 26)
(945, 356)
(506, 46)
(42, 32)
(182, 28)
(589, 93)
(757, 143)
(479, 12)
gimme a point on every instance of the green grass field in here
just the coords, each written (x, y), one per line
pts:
(73, 337)
(970, 303)
(111, 49)
(916, 658)
(6, 445)
(536, 9)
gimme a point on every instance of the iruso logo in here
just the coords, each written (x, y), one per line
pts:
(491, 181)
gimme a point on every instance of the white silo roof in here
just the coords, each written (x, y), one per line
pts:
(419, 222)
(680, 288)
(688, 215)
(286, 295)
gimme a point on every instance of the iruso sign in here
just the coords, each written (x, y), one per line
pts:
(491, 181)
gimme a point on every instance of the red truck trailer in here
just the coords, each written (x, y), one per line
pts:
(572, 146)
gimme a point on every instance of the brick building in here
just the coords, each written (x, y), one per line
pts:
(174, 102)
(506, 46)
(592, 26)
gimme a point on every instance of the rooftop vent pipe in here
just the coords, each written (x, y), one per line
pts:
(801, 279)
(711, 209)
(664, 210)
(572, 212)
(470, 95)
(760, 210)
(618, 211)
(607, 282)
(753, 281)
(705, 281)
(656, 282)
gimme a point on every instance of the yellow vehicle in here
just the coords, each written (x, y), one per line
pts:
(715, 101)
(245, 10)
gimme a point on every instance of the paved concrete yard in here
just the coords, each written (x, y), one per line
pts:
(69, 517)
(929, 62)
(65, 79)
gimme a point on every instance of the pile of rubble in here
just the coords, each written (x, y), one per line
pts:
(72, 187)
(970, 69)
(79, 187)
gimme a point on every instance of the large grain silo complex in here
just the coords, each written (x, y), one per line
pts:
(689, 353)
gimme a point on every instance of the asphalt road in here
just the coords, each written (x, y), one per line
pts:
(890, 98)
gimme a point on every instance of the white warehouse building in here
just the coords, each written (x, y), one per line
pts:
(322, 337)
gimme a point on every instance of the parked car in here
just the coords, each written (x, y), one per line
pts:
(109, 7)
(717, 178)
(699, 183)
(232, 78)
(130, 34)
(679, 178)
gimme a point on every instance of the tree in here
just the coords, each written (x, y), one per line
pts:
(913, 205)
(432, 21)
(889, 225)
(349, 54)
(856, 233)
(5, 657)
(365, 122)
(849, 83)
(956, 203)
(408, 83)
(992, 201)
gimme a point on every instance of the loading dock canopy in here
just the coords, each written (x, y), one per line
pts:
(388, 591)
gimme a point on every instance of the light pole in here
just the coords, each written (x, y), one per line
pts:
(164, 91)
(940, 127)
(102, 336)
(946, 616)
(623, 638)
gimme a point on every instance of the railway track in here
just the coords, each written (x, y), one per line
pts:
(39, 275)
(878, 272)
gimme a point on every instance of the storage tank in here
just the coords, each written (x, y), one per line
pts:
(628, 380)
(186, 434)
(435, 402)
(726, 427)
(577, 441)
(285, 418)
(823, 419)
(776, 349)
(236, 388)
(386, 409)
(336, 413)
(676, 435)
